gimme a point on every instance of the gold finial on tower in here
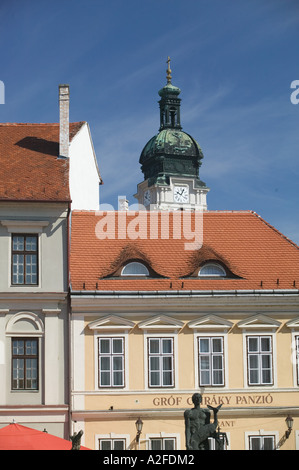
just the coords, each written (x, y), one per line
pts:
(168, 76)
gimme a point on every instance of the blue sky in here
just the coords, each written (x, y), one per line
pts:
(234, 61)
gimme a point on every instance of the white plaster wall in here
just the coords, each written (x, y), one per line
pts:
(84, 174)
(52, 245)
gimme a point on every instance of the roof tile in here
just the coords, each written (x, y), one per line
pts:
(255, 253)
(30, 169)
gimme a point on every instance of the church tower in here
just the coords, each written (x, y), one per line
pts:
(170, 161)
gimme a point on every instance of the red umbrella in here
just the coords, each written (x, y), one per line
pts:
(18, 437)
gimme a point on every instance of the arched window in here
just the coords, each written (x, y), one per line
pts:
(25, 330)
(212, 270)
(135, 269)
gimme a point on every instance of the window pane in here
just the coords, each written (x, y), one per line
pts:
(265, 344)
(266, 376)
(204, 362)
(31, 348)
(136, 269)
(212, 270)
(118, 371)
(119, 444)
(217, 377)
(117, 363)
(18, 269)
(155, 379)
(167, 378)
(154, 363)
(166, 346)
(31, 374)
(255, 443)
(154, 346)
(31, 244)
(117, 379)
(18, 347)
(156, 444)
(217, 362)
(253, 361)
(217, 344)
(105, 363)
(204, 366)
(117, 346)
(204, 345)
(31, 269)
(253, 377)
(205, 378)
(104, 346)
(105, 379)
(266, 361)
(169, 444)
(253, 344)
(18, 243)
(18, 374)
(167, 363)
(269, 443)
(105, 445)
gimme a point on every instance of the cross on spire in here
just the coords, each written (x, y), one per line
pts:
(168, 76)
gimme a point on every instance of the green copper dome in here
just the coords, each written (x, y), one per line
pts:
(172, 152)
(171, 142)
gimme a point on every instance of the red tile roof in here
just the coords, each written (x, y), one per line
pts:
(30, 169)
(255, 254)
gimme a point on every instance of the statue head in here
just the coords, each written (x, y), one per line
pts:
(197, 399)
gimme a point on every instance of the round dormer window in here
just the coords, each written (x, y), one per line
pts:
(212, 270)
(135, 269)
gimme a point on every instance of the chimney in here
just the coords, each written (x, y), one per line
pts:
(64, 121)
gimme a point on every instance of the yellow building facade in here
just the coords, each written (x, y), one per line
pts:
(236, 350)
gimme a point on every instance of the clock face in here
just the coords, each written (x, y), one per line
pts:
(181, 194)
(147, 198)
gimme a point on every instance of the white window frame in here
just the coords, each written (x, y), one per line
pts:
(217, 265)
(107, 327)
(111, 334)
(262, 434)
(259, 325)
(111, 355)
(135, 274)
(163, 441)
(259, 353)
(160, 355)
(157, 327)
(111, 437)
(163, 435)
(212, 443)
(211, 326)
(210, 354)
(34, 227)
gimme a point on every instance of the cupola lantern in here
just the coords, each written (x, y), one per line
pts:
(170, 160)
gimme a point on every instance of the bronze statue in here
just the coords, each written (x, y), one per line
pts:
(76, 440)
(197, 425)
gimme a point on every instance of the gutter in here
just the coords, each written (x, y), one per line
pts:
(185, 293)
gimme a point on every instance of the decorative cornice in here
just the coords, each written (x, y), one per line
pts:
(25, 226)
(111, 322)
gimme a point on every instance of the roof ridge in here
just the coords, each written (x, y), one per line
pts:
(275, 229)
(229, 211)
(36, 123)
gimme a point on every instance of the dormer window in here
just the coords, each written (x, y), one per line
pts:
(212, 270)
(135, 269)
